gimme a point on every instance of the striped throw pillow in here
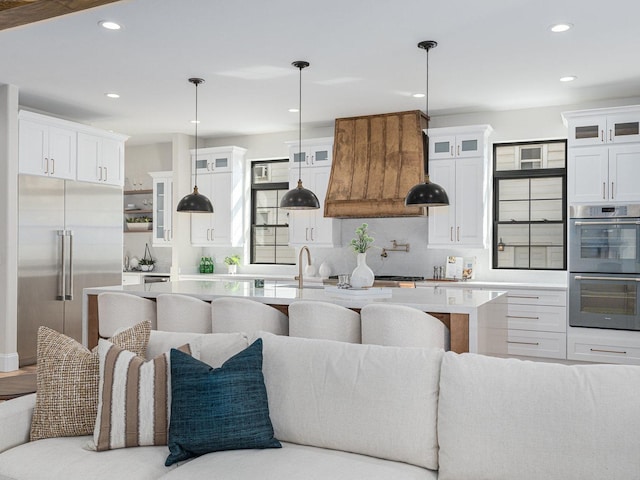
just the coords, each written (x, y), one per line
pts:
(134, 398)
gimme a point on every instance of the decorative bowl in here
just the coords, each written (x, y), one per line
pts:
(139, 227)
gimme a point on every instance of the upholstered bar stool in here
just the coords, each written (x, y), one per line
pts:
(324, 320)
(181, 313)
(122, 310)
(229, 314)
(401, 326)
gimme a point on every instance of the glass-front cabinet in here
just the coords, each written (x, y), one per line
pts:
(162, 211)
(601, 129)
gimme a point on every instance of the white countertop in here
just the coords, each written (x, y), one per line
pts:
(430, 299)
(492, 285)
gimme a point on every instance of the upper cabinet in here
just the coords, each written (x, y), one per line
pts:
(461, 144)
(220, 173)
(58, 148)
(100, 159)
(311, 227)
(311, 153)
(602, 126)
(162, 210)
(464, 177)
(604, 155)
(47, 146)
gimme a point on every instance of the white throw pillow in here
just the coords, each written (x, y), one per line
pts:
(367, 399)
(507, 419)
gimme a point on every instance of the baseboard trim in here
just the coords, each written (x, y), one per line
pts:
(9, 362)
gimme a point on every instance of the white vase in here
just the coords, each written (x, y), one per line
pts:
(362, 275)
(232, 269)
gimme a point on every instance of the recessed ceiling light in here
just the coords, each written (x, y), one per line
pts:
(112, 95)
(293, 110)
(568, 78)
(418, 95)
(561, 27)
(109, 25)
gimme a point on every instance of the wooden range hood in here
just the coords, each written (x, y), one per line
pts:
(376, 160)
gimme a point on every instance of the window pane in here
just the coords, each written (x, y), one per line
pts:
(546, 188)
(514, 189)
(530, 156)
(546, 210)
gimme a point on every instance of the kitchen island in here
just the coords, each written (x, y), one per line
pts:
(477, 319)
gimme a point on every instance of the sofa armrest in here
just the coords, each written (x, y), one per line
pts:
(15, 421)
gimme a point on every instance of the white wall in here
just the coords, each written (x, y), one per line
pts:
(515, 125)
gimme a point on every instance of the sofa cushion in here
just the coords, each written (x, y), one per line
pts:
(66, 458)
(216, 409)
(367, 399)
(506, 418)
(67, 381)
(296, 462)
(134, 398)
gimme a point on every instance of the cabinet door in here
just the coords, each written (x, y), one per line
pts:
(624, 172)
(89, 152)
(320, 156)
(588, 175)
(62, 153)
(221, 226)
(112, 161)
(587, 131)
(469, 203)
(469, 145)
(442, 147)
(321, 227)
(162, 212)
(623, 128)
(33, 148)
(442, 219)
(299, 220)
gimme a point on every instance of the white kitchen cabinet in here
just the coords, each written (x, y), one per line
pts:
(456, 143)
(537, 322)
(162, 208)
(316, 152)
(464, 178)
(603, 126)
(224, 187)
(100, 159)
(212, 162)
(604, 173)
(131, 278)
(47, 146)
(603, 346)
(463, 222)
(311, 227)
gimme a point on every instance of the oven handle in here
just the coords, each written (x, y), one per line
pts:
(610, 223)
(614, 279)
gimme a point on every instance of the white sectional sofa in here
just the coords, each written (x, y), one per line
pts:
(350, 411)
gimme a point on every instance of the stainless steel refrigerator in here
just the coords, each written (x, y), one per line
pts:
(70, 238)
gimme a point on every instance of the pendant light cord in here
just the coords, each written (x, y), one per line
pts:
(195, 180)
(300, 125)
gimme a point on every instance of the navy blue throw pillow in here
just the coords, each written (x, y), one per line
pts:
(215, 409)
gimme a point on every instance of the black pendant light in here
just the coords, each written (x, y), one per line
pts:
(195, 202)
(427, 194)
(300, 198)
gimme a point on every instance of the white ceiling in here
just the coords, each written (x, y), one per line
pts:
(492, 55)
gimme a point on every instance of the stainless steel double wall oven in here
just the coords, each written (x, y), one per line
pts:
(604, 265)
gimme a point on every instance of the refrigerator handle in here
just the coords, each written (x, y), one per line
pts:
(69, 295)
(62, 271)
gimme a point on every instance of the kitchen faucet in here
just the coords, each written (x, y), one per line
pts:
(300, 282)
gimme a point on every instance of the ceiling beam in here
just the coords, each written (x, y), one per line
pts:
(39, 10)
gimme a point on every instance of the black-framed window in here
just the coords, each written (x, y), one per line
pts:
(530, 205)
(270, 224)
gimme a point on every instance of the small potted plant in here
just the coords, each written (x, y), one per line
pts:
(138, 224)
(232, 263)
(147, 262)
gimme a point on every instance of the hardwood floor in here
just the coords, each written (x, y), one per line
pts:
(22, 371)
